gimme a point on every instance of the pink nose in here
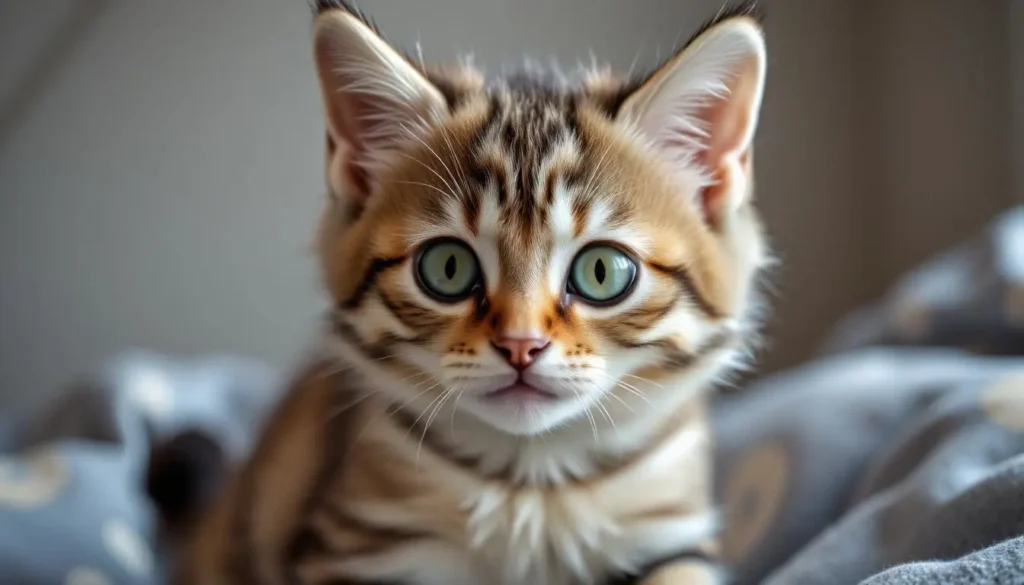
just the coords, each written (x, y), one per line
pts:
(520, 352)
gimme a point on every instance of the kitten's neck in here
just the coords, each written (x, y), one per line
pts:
(578, 451)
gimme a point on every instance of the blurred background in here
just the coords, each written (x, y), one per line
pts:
(160, 162)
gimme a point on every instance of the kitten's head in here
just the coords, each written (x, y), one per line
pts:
(532, 250)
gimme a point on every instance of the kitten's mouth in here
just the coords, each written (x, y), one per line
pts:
(520, 390)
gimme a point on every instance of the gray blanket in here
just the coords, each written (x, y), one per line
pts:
(896, 459)
(872, 460)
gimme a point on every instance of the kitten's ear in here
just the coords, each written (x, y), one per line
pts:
(374, 99)
(700, 110)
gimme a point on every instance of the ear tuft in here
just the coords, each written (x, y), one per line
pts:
(321, 6)
(699, 110)
(374, 98)
(750, 9)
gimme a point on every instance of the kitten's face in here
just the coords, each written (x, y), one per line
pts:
(533, 255)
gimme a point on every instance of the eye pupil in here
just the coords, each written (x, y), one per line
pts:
(599, 271)
(447, 270)
(449, 267)
(602, 274)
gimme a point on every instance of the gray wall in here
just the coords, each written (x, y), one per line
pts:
(160, 164)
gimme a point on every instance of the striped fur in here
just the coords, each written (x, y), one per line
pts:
(388, 461)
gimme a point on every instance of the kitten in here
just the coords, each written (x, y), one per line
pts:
(535, 283)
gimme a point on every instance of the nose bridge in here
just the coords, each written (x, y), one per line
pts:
(516, 332)
(522, 295)
(518, 316)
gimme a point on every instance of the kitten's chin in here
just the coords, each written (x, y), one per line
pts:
(524, 413)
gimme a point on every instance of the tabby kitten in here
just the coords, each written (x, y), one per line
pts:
(534, 284)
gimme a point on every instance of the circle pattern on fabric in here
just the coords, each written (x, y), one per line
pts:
(125, 545)
(86, 576)
(1013, 305)
(151, 392)
(912, 320)
(32, 481)
(1003, 402)
(754, 492)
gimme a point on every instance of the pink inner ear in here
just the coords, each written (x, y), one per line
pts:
(726, 126)
(350, 113)
(344, 142)
(344, 176)
(373, 99)
(728, 118)
(729, 124)
(347, 122)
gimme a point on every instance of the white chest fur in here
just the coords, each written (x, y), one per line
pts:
(567, 534)
(579, 535)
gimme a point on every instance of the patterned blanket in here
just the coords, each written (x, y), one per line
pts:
(896, 459)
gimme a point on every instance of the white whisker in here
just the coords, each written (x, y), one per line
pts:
(625, 386)
(425, 408)
(451, 149)
(339, 410)
(607, 415)
(586, 407)
(430, 418)
(440, 160)
(455, 408)
(431, 169)
(427, 185)
(642, 379)
(623, 402)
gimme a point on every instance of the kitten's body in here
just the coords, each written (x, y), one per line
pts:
(392, 511)
(441, 451)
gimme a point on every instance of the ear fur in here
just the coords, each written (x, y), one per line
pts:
(699, 110)
(374, 99)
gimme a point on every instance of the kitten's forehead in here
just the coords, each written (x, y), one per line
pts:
(527, 124)
(527, 154)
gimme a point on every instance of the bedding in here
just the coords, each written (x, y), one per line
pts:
(895, 458)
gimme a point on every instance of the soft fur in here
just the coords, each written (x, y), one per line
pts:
(389, 461)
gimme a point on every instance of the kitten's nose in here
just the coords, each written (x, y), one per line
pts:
(520, 352)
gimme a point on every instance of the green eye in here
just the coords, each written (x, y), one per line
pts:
(447, 270)
(602, 274)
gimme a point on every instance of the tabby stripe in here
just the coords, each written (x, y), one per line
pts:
(676, 358)
(572, 119)
(689, 555)
(240, 559)
(526, 204)
(246, 555)
(376, 350)
(493, 118)
(580, 214)
(645, 317)
(500, 178)
(482, 173)
(373, 535)
(378, 266)
(406, 312)
(471, 209)
(562, 309)
(338, 429)
(680, 360)
(481, 306)
(550, 184)
(453, 98)
(409, 423)
(685, 280)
